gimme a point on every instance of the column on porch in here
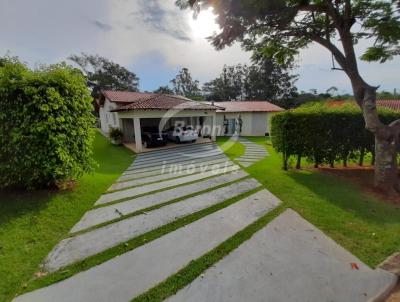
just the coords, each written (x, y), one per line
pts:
(138, 134)
(213, 127)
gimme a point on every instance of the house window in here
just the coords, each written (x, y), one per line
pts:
(114, 118)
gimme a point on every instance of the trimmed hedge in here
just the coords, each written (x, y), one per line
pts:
(324, 133)
(46, 125)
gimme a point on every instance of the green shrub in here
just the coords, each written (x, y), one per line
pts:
(324, 133)
(115, 133)
(46, 125)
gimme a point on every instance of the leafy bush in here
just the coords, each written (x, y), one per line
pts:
(115, 133)
(324, 133)
(46, 125)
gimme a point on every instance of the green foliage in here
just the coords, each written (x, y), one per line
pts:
(264, 79)
(164, 90)
(386, 95)
(279, 29)
(46, 125)
(115, 133)
(183, 84)
(103, 74)
(324, 133)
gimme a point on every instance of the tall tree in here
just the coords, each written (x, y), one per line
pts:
(163, 90)
(183, 84)
(228, 86)
(268, 80)
(263, 80)
(103, 74)
(280, 28)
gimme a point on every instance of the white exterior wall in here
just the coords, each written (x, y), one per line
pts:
(108, 119)
(259, 125)
(254, 123)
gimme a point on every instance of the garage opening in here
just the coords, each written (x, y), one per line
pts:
(175, 131)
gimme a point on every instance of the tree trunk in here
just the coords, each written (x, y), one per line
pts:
(298, 161)
(386, 173)
(386, 143)
(285, 161)
(361, 159)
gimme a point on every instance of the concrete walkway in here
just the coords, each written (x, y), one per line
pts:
(288, 260)
(253, 152)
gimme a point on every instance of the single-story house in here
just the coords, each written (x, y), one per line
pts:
(131, 111)
(249, 118)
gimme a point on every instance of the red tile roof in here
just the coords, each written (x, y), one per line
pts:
(249, 106)
(392, 104)
(152, 101)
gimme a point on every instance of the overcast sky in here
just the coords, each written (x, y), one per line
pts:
(153, 38)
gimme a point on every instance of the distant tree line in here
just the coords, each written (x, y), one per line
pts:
(263, 79)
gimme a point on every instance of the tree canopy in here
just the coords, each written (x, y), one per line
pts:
(164, 90)
(262, 80)
(103, 74)
(183, 84)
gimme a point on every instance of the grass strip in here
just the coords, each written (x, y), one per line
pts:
(122, 248)
(186, 275)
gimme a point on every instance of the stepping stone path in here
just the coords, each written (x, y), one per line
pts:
(288, 260)
(252, 154)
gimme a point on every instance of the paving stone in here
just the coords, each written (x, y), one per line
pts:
(177, 149)
(197, 153)
(159, 166)
(185, 150)
(172, 169)
(251, 158)
(175, 159)
(104, 214)
(248, 160)
(255, 152)
(179, 152)
(132, 192)
(81, 246)
(288, 260)
(246, 164)
(125, 277)
(165, 176)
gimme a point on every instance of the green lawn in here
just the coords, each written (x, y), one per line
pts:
(367, 227)
(32, 223)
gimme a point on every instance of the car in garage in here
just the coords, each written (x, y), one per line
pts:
(182, 134)
(153, 137)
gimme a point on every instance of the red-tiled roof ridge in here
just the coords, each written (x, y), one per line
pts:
(153, 101)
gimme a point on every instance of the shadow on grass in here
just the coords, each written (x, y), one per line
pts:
(110, 161)
(349, 198)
